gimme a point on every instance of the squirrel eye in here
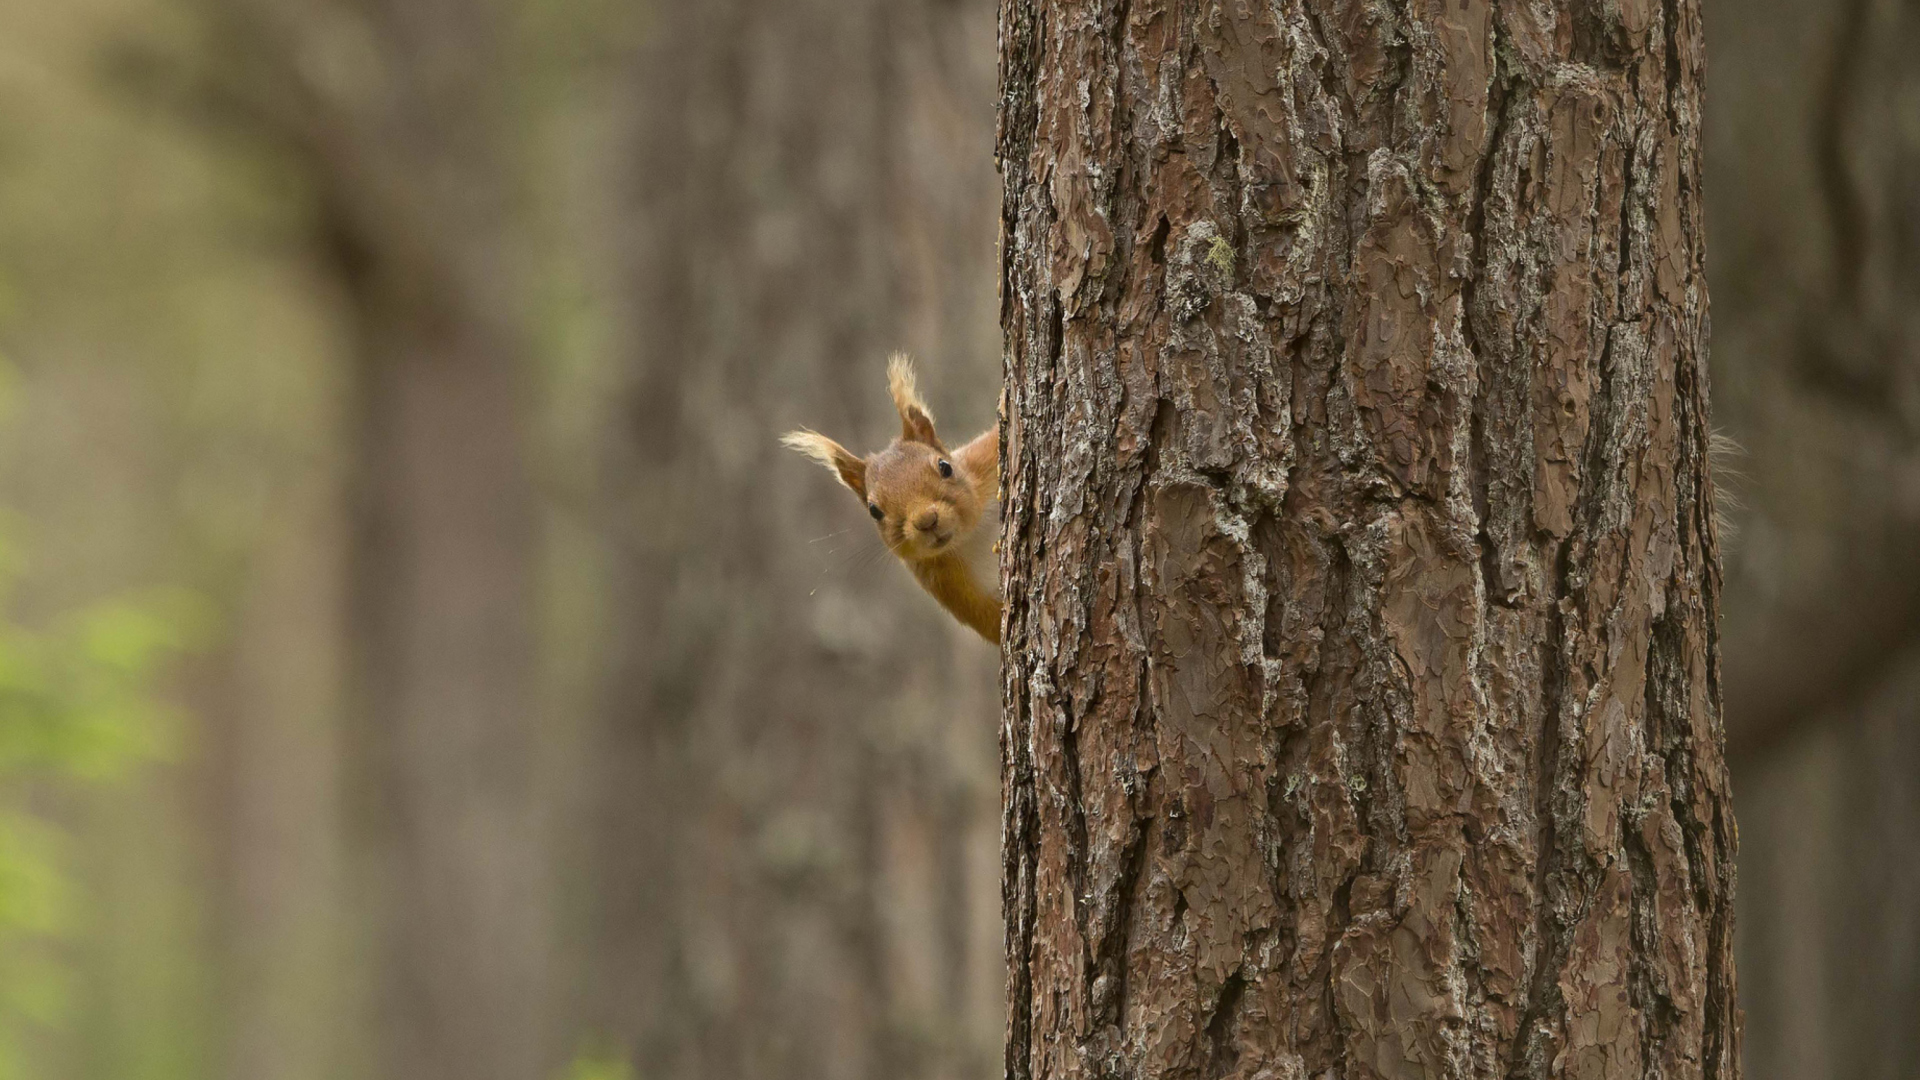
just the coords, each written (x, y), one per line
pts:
(946, 471)
(875, 511)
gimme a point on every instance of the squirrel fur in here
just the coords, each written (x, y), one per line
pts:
(929, 503)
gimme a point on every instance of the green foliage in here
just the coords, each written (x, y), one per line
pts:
(184, 373)
(77, 704)
(601, 1065)
(76, 700)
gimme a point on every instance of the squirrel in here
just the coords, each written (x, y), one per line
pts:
(928, 503)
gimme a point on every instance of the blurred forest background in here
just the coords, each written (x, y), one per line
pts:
(419, 660)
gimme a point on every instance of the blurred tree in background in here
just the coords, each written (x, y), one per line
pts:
(1814, 260)
(454, 338)
(797, 870)
(551, 722)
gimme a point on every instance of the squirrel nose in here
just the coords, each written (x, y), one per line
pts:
(927, 520)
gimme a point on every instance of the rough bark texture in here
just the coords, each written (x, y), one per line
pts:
(1362, 712)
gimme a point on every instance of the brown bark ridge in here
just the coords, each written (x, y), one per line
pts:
(1362, 713)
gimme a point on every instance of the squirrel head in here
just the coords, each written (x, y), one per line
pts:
(916, 493)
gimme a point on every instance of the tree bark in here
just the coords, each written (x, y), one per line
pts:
(1362, 713)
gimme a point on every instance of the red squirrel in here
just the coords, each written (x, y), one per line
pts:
(929, 504)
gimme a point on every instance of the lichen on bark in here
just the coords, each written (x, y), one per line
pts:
(1362, 713)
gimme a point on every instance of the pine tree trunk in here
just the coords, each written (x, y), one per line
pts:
(1362, 713)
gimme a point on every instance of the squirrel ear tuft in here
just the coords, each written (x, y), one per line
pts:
(916, 420)
(851, 470)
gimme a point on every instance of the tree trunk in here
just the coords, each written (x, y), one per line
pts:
(796, 805)
(397, 115)
(1816, 167)
(444, 580)
(1814, 180)
(1362, 713)
(1829, 953)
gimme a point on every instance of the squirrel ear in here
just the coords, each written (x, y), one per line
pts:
(851, 470)
(916, 420)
